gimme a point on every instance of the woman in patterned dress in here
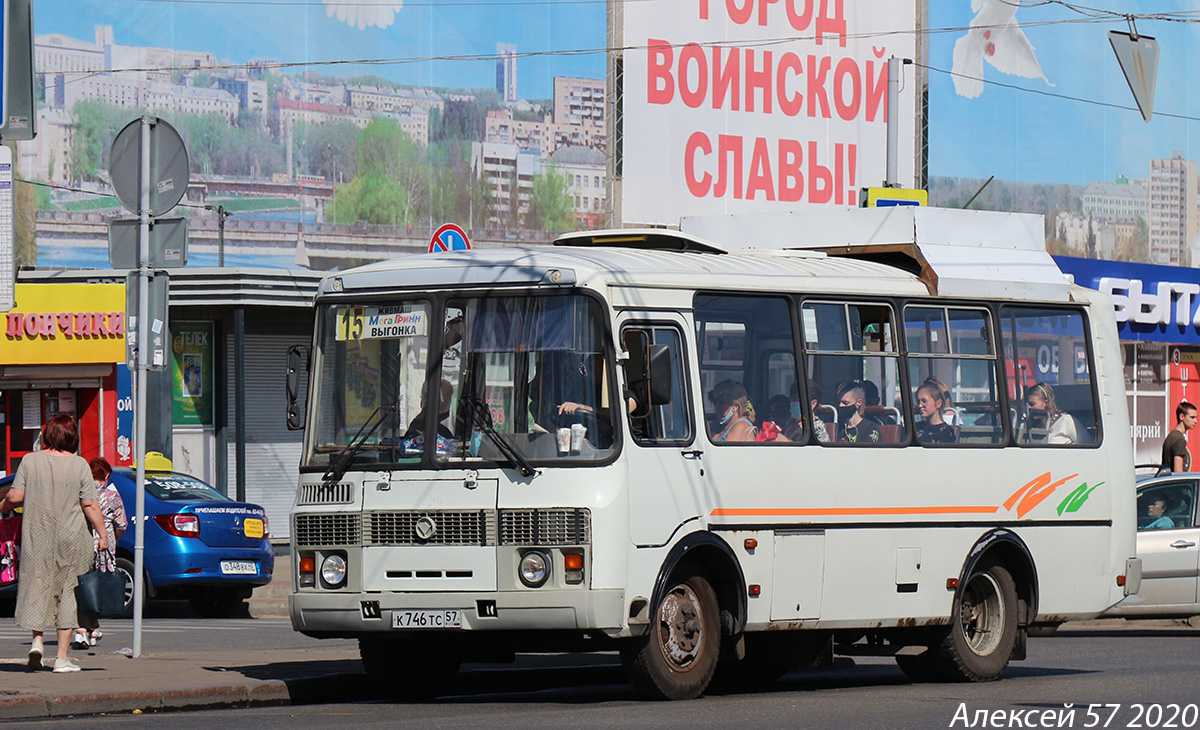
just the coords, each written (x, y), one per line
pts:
(55, 486)
(114, 520)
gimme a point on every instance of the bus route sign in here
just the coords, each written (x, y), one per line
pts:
(449, 238)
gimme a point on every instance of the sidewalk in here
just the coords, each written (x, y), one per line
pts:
(177, 681)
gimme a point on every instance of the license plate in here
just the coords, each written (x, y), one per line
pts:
(447, 619)
(239, 567)
(253, 527)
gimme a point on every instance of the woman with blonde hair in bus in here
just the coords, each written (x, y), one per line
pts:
(735, 412)
(949, 415)
(1060, 426)
(932, 429)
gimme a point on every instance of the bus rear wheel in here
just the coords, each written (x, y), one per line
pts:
(983, 630)
(676, 660)
(409, 668)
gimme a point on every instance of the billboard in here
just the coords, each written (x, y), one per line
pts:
(759, 105)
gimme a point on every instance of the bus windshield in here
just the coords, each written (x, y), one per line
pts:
(369, 389)
(517, 380)
(530, 375)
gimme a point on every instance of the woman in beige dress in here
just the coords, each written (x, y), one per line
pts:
(55, 486)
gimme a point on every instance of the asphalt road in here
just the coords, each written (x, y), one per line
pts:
(1123, 664)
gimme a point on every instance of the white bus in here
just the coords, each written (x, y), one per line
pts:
(555, 449)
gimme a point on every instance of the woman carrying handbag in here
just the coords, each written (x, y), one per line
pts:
(56, 488)
(115, 521)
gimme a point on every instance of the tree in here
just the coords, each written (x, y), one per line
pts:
(551, 205)
(370, 199)
(25, 223)
(1091, 239)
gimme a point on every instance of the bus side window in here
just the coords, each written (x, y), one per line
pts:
(852, 355)
(1050, 383)
(656, 397)
(748, 370)
(952, 376)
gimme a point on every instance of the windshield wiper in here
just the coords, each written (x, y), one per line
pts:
(483, 420)
(337, 468)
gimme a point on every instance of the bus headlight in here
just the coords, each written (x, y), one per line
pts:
(534, 568)
(333, 570)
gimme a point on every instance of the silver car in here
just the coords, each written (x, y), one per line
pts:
(1168, 542)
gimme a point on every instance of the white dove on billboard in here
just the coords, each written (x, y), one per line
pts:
(373, 323)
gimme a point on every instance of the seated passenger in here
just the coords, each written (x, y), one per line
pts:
(413, 440)
(731, 402)
(854, 428)
(948, 414)
(1159, 521)
(932, 430)
(780, 413)
(1060, 426)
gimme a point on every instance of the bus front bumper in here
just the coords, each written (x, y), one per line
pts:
(326, 614)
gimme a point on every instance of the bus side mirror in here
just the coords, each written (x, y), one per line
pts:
(659, 372)
(296, 362)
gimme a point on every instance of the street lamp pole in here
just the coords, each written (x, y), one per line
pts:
(222, 214)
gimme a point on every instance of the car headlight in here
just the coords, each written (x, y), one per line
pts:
(333, 570)
(534, 568)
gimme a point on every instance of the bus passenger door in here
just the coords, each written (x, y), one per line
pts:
(666, 486)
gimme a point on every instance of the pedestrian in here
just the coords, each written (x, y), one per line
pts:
(56, 488)
(1176, 458)
(115, 523)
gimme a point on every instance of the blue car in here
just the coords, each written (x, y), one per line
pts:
(199, 544)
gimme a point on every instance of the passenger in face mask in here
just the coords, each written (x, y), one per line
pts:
(854, 428)
(780, 411)
(734, 412)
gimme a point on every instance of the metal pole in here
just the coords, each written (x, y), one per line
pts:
(239, 398)
(893, 121)
(221, 214)
(140, 410)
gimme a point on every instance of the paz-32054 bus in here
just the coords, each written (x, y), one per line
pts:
(742, 446)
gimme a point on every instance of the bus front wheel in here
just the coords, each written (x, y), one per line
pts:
(983, 629)
(677, 658)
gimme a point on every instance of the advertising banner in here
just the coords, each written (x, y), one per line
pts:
(758, 105)
(65, 324)
(192, 346)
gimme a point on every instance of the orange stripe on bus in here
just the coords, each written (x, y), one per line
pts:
(834, 511)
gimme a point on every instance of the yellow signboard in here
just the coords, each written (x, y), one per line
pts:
(65, 324)
(892, 197)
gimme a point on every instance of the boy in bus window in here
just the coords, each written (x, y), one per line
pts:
(854, 428)
(932, 430)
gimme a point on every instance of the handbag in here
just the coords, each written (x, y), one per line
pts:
(10, 549)
(101, 593)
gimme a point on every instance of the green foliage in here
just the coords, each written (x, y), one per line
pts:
(24, 223)
(370, 199)
(551, 207)
(464, 120)
(327, 150)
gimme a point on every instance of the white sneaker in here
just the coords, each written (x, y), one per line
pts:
(79, 640)
(35, 655)
(95, 637)
(62, 666)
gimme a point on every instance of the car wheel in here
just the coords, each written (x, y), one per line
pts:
(126, 570)
(678, 657)
(219, 603)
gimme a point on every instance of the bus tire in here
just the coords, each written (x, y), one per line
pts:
(408, 668)
(677, 658)
(983, 629)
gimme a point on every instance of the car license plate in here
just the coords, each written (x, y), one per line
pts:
(239, 567)
(253, 527)
(447, 619)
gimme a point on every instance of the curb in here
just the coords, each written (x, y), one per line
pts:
(334, 688)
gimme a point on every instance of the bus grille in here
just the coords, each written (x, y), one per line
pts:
(326, 493)
(545, 526)
(336, 529)
(449, 527)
